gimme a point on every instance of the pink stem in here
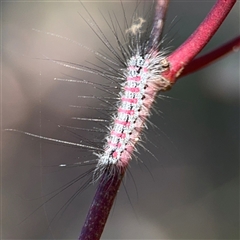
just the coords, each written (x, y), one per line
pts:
(198, 40)
(212, 56)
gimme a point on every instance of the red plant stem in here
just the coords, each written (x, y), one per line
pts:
(203, 61)
(198, 40)
(101, 205)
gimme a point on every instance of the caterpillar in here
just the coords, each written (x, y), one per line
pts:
(62, 164)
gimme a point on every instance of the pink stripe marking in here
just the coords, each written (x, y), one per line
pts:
(134, 90)
(135, 79)
(130, 100)
(129, 112)
(120, 135)
(124, 123)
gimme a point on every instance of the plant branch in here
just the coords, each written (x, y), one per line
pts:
(212, 56)
(158, 23)
(101, 205)
(198, 40)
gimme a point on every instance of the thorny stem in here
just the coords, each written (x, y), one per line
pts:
(178, 60)
(198, 40)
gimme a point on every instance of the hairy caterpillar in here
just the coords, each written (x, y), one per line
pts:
(168, 175)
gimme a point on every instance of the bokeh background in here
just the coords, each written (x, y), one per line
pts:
(190, 190)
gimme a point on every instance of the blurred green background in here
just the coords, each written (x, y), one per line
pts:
(191, 192)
